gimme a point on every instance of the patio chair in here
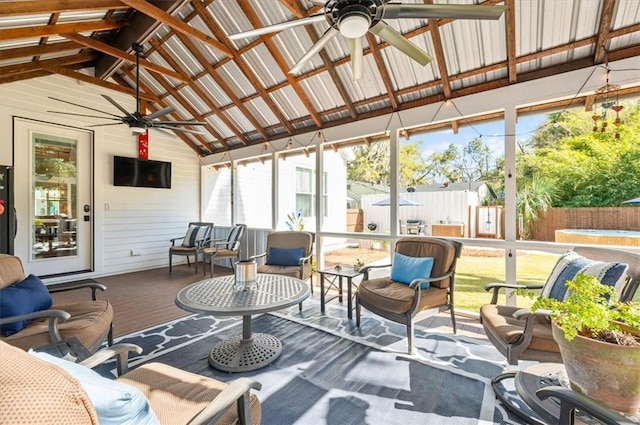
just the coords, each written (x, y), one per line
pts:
(196, 238)
(288, 253)
(219, 249)
(422, 277)
(28, 317)
(520, 334)
(43, 389)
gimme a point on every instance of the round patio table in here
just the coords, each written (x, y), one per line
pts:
(217, 297)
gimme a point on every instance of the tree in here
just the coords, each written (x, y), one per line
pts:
(534, 197)
(372, 164)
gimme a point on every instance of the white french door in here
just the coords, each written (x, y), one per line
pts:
(53, 194)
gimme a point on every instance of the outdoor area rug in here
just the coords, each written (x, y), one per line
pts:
(331, 372)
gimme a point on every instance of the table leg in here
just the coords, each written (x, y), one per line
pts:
(321, 292)
(340, 288)
(349, 304)
(246, 353)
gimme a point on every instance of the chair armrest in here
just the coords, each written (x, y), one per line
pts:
(237, 391)
(94, 286)
(53, 315)
(416, 283)
(495, 287)
(303, 260)
(572, 400)
(366, 268)
(119, 351)
(173, 240)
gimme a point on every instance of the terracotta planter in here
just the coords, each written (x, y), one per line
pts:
(607, 373)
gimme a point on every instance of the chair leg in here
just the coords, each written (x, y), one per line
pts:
(453, 319)
(411, 348)
(357, 311)
(211, 265)
(170, 258)
(110, 335)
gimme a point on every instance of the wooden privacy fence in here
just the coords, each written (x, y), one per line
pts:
(607, 218)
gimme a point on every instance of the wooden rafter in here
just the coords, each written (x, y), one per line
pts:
(46, 30)
(120, 54)
(15, 8)
(603, 31)
(512, 59)
(277, 56)
(38, 50)
(382, 69)
(176, 24)
(21, 68)
(199, 92)
(441, 62)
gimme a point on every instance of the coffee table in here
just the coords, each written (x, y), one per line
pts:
(217, 297)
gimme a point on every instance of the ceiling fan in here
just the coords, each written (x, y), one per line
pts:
(135, 120)
(354, 18)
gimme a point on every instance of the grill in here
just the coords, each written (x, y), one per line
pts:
(414, 227)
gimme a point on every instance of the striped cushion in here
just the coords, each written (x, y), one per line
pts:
(195, 234)
(571, 264)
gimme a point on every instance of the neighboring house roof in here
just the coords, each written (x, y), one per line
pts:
(356, 189)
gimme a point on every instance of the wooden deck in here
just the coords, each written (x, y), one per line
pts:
(147, 298)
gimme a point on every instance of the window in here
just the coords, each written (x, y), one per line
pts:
(305, 192)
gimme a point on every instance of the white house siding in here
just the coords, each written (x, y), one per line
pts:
(125, 218)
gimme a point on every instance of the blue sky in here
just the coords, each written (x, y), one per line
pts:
(492, 134)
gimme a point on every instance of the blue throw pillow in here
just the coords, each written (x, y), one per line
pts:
(284, 256)
(405, 269)
(194, 235)
(115, 403)
(570, 264)
(24, 297)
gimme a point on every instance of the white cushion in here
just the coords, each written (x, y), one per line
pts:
(114, 402)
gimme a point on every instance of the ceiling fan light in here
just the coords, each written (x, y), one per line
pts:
(354, 26)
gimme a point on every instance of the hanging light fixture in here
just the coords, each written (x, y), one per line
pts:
(608, 95)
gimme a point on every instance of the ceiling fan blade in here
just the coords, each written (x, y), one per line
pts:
(114, 103)
(393, 37)
(355, 45)
(84, 115)
(160, 113)
(278, 27)
(180, 122)
(103, 125)
(441, 11)
(183, 130)
(85, 107)
(322, 41)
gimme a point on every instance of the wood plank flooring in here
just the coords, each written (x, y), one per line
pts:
(147, 298)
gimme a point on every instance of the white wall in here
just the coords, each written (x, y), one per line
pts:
(125, 218)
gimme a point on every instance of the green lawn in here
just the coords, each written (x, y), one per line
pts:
(473, 272)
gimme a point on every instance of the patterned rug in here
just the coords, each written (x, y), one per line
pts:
(331, 372)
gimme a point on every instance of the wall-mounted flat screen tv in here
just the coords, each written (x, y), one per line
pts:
(141, 172)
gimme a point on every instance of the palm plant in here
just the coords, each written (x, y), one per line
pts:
(533, 199)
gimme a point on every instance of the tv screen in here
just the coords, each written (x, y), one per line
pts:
(141, 172)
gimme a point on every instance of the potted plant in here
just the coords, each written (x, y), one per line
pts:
(599, 340)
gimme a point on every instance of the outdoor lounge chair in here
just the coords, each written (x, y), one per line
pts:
(422, 277)
(193, 241)
(42, 389)
(29, 319)
(219, 249)
(288, 253)
(521, 335)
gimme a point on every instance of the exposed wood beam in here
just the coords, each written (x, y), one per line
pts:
(216, 31)
(21, 68)
(199, 92)
(603, 31)
(14, 8)
(30, 51)
(98, 82)
(4, 79)
(176, 24)
(441, 62)
(277, 56)
(382, 68)
(117, 53)
(510, 18)
(46, 30)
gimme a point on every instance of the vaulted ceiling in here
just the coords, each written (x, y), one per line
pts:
(243, 89)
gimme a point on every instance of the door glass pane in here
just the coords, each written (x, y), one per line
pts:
(54, 191)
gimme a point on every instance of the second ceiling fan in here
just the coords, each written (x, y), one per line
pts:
(354, 18)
